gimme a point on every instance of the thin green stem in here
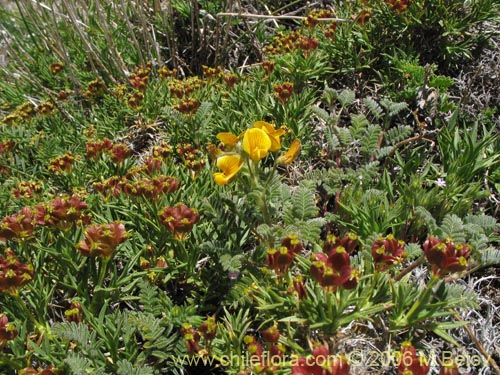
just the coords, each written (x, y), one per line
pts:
(423, 298)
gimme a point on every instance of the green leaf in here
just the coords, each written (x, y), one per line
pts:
(374, 108)
(124, 367)
(346, 97)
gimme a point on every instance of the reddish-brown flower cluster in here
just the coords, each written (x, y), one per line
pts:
(313, 16)
(159, 262)
(268, 66)
(280, 259)
(102, 239)
(187, 105)
(18, 226)
(93, 149)
(363, 16)
(192, 338)
(181, 88)
(7, 331)
(211, 73)
(398, 6)
(62, 212)
(285, 43)
(151, 188)
(27, 189)
(146, 187)
(56, 67)
(331, 30)
(299, 288)
(283, 91)
(332, 268)
(139, 78)
(387, 251)
(159, 155)
(135, 99)
(410, 363)
(321, 363)
(192, 157)
(165, 72)
(265, 362)
(445, 256)
(6, 147)
(95, 89)
(63, 163)
(179, 219)
(22, 112)
(63, 95)
(207, 330)
(231, 79)
(13, 273)
(45, 108)
(118, 151)
(74, 313)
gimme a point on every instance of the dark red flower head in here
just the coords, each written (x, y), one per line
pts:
(445, 256)
(7, 331)
(388, 250)
(13, 273)
(102, 239)
(179, 219)
(410, 363)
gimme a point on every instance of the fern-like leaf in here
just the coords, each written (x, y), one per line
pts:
(124, 367)
(429, 221)
(453, 227)
(307, 231)
(149, 297)
(359, 123)
(79, 334)
(323, 115)
(231, 263)
(373, 107)
(79, 365)
(396, 108)
(397, 134)
(344, 135)
(204, 114)
(346, 97)
(458, 296)
(490, 257)
(369, 142)
(383, 152)
(304, 206)
(487, 223)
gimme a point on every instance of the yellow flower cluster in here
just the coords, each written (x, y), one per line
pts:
(255, 143)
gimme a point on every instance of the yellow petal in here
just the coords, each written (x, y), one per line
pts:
(292, 153)
(273, 133)
(256, 143)
(230, 164)
(229, 139)
(221, 179)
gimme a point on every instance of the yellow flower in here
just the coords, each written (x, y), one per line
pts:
(229, 139)
(256, 143)
(292, 153)
(230, 164)
(274, 134)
